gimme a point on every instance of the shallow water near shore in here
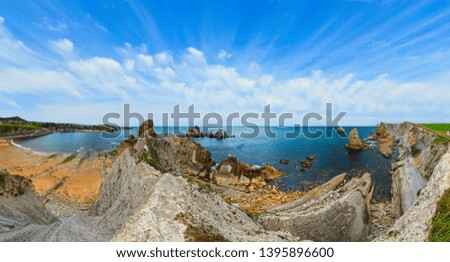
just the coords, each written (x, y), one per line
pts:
(331, 158)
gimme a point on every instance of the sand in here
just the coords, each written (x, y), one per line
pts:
(84, 175)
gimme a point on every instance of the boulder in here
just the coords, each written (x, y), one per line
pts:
(306, 164)
(220, 134)
(284, 161)
(354, 141)
(340, 130)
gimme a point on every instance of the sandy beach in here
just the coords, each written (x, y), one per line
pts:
(81, 177)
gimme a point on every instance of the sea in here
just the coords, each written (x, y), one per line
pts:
(269, 145)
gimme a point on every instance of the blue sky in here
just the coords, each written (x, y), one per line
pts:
(74, 61)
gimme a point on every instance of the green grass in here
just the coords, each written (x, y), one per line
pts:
(440, 227)
(253, 215)
(440, 130)
(33, 127)
(52, 156)
(204, 186)
(69, 158)
(154, 163)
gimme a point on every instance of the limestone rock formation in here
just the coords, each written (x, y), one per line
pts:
(146, 130)
(139, 203)
(354, 141)
(418, 156)
(340, 130)
(194, 132)
(414, 224)
(220, 134)
(127, 143)
(231, 171)
(385, 140)
(334, 211)
(176, 155)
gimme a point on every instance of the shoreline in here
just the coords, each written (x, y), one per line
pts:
(82, 176)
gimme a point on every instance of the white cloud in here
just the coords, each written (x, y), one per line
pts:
(104, 75)
(37, 81)
(14, 52)
(195, 52)
(56, 26)
(222, 55)
(63, 47)
(164, 80)
(163, 58)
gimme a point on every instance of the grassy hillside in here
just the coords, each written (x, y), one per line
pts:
(440, 228)
(7, 125)
(440, 130)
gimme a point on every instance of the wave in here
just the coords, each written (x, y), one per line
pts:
(28, 149)
(19, 146)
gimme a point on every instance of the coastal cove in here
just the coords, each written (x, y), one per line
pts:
(330, 156)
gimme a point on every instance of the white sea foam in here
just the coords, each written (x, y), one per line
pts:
(28, 149)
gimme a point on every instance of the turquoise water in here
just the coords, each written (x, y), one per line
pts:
(331, 158)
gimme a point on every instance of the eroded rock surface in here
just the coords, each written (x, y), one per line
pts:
(334, 211)
(231, 171)
(414, 224)
(385, 140)
(354, 141)
(140, 203)
(418, 156)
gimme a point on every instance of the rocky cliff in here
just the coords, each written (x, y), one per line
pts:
(418, 156)
(14, 127)
(419, 177)
(140, 203)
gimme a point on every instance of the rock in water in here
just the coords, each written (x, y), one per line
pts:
(194, 132)
(220, 134)
(23, 216)
(385, 140)
(284, 161)
(354, 141)
(306, 164)
(231, 171)
(340, 130)
(146, 130)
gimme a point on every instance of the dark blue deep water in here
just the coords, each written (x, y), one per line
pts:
(331, 158)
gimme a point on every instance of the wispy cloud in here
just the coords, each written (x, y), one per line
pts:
(361, 71)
